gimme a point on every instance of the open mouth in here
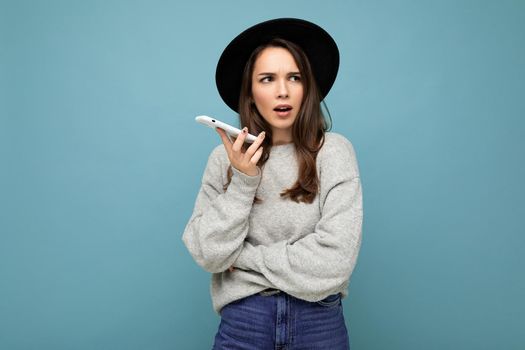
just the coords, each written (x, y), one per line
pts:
(282, 109)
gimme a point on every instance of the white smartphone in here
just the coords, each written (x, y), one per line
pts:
(214, 123)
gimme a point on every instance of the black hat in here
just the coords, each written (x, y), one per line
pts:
(318, 45)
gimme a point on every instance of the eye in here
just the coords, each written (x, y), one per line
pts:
(264, 79)
(296, 77)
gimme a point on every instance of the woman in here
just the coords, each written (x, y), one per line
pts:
(278, 222)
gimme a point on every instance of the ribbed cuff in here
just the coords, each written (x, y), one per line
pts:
(244, 181)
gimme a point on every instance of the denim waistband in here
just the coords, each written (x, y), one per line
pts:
(269, 291)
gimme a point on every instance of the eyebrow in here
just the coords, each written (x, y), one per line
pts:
(295, 73)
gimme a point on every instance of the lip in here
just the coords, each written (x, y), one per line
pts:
(283, 114)
(282, 105)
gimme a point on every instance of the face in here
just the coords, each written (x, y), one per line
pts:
(277, 90)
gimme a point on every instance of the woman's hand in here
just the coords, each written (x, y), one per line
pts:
(244, 162)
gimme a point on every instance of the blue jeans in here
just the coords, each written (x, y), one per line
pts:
(281, 321)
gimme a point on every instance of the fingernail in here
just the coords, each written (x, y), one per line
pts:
(263, 134)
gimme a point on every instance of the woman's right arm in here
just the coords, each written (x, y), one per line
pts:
(218, 226)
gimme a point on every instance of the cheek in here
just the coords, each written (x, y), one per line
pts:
(262, 99)
(300, 92)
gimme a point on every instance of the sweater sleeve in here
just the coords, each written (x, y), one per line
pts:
(319, 263)
(219, 224)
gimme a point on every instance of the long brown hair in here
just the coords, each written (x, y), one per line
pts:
(308, 129)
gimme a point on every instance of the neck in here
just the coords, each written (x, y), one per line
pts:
(279, 138)
(279, 143)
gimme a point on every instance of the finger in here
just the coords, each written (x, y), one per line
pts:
(225, 140)
(257, 155)
(237, 145)
(223, 135)
(251, 150)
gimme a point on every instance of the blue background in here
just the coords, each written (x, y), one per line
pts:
(101, 162)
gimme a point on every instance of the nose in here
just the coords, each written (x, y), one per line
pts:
(282, 89)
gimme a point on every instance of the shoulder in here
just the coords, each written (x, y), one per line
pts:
(218, 162)
(218, 156)
(218, 153)
(334, 141)
(336, 145)
(338, 154)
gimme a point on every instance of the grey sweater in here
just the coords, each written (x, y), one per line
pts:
(306, 250)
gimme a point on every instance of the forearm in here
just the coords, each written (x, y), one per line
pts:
(320, 262)
(218, 226)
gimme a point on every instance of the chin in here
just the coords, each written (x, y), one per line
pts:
(283, 123)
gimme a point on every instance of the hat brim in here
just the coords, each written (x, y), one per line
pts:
(318, 45)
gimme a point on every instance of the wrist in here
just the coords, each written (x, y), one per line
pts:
(255, 173)
(252, 173)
